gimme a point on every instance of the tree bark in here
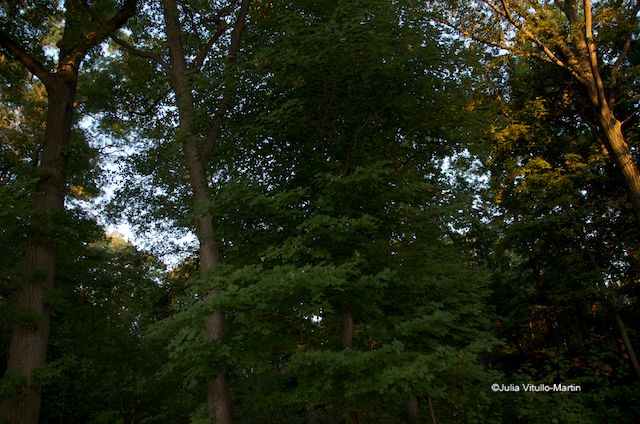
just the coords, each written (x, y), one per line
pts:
(610, 126)
(621, 155)
(218, 394)
(633, 359)
(347, 343)
(413, 409)
(28, 342)
(431, 411)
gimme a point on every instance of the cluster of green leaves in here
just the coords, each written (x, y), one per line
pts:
(333, 209)
(565, 256)
(332, 205)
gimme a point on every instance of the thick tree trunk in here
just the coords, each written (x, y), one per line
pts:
(218, 398)
(610, 126)
(619, 149)
(28, 343)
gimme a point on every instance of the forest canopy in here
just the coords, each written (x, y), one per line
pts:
(349, 211)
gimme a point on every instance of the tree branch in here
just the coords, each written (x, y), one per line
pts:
(34, 66)
(615, 69)
(128, 10)
(202, 54)
(505, 12)
(467, 34)
(592, 52)
(150, 107)
(144, 54)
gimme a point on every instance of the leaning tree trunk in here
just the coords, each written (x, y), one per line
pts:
(610, 126)
(621, 154)
(28, 343)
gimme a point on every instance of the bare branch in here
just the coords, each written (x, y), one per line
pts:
(505, 12)
(471, 36)
(531, 36)
(629, 118)
(592, 52)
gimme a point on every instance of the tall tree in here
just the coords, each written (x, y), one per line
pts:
(23, 27)
(331, 223)
(591, 44)
(565, 264)
(183, 55)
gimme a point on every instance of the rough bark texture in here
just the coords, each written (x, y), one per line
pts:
(621, 155)
(28, 342)
(609, 125)
(578, 56)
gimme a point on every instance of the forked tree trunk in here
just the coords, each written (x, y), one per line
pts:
(610, 126)
(28, 343)
(218, 396)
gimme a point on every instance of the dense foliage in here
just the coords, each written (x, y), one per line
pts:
(402, 217)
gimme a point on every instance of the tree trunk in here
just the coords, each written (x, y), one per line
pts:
(347, 343)
(347, 330)
(431, 412)
(633, 358)
(612, 129)
(218, 398)
(28, 342)
(413, 409)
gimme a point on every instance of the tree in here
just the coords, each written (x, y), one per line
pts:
(182, 58)
(331, 226)
(590, 44)
(564, 264)
(24, 27)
